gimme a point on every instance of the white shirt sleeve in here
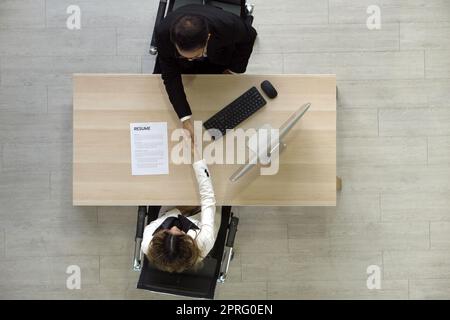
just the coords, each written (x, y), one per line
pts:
(206, 236)
(185, 118)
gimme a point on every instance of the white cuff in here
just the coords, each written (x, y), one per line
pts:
(185, 118)
(232, 72)
(199, 165)
(201, 171)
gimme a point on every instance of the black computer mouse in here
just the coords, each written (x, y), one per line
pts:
(269, 89)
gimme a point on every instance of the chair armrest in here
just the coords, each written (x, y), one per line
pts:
(159, 17)
(232, 231)
(140, 225)
(228, 252)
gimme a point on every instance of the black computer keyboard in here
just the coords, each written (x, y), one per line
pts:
(237, 111)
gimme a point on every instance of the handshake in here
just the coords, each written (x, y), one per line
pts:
(189, 138)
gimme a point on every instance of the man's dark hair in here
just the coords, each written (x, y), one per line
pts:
(189, 32)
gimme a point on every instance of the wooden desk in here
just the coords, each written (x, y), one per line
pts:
(104, 105)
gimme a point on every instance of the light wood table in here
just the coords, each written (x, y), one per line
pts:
(104, 105)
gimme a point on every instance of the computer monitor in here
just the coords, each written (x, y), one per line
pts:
(272, 148)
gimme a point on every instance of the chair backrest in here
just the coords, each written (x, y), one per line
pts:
(234, 6)
(175, 4)
(197, 284)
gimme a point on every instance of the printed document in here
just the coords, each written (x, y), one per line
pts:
(149, 148)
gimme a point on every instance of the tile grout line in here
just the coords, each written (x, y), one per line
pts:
(240, 265)
(4, 242)
(50, 184)
(56, 28)
(328, 11)
(409, 295)
(429, 235)
(363, 24)
(379, 207)
(378, 122)
(1, 77)
(45, 14)
(46, 89)
(287, 238)
(393, 50)
(394, 21)
(1, 157)
(117, 44)
(372, 51)
(257, 26)
(424, 64)
(99, 270)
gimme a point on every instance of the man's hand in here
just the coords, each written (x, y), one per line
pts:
(195, 154)
(187, 124)
(189, 134)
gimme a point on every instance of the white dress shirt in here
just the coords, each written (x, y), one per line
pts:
(205, 236)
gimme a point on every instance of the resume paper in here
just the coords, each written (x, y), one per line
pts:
(149, 149)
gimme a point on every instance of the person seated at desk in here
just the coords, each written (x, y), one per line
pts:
(200, 39)
(174, 242)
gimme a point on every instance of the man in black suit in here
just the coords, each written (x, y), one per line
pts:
(197, 39)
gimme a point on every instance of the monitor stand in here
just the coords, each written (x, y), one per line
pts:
(259, 151)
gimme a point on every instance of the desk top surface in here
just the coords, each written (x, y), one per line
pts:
(104, 105)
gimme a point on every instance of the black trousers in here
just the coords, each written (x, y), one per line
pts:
(195, 67)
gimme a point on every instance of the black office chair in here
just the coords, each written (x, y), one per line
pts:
(237, 7)
(198, 284)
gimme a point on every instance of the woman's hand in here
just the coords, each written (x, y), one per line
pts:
(195, 153)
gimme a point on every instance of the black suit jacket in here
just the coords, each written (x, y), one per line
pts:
(230, 45)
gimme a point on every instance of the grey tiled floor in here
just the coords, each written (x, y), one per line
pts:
(393, 152)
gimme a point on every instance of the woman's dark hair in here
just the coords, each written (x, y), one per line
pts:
(173, 253)
(189, 32)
